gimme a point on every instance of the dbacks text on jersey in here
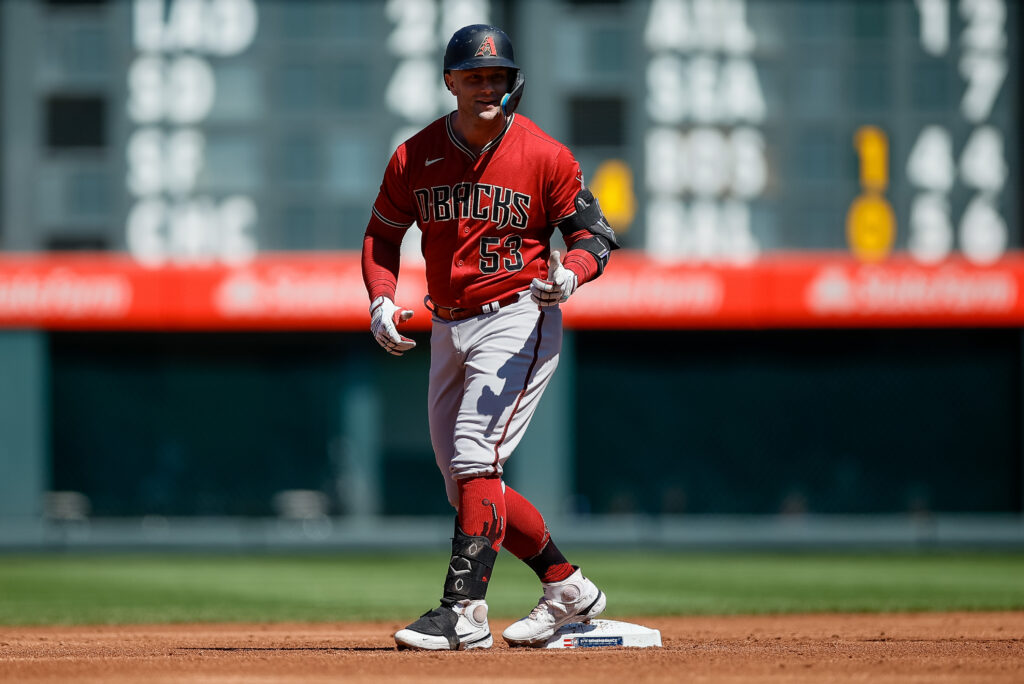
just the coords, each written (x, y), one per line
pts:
(480, 201)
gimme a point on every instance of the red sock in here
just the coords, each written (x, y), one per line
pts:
(482, 509)
(529, 540)
(527, 532)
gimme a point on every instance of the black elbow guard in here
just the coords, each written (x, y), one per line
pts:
(589, 216)
(597, 246)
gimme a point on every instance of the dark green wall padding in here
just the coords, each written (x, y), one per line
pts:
(831, 421)
(839, 421)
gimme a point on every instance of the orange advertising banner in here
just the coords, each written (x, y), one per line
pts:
(324, 291)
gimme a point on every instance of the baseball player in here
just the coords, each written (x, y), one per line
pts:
(487, 188)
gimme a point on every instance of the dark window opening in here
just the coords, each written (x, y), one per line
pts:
(76, 243)
(76, 121)
(597, 121)
(75, 3)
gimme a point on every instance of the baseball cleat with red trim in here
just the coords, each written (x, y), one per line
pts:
(574, 599)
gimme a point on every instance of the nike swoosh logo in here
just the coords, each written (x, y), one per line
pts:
(432, 161)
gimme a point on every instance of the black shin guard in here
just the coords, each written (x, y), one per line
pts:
(469, 569)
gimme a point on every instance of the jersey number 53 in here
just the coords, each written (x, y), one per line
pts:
(496, 253)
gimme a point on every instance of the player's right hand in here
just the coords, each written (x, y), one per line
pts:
(561, 283)
(385, 317)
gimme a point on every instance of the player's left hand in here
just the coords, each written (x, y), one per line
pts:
(561, 283)
(385, 316)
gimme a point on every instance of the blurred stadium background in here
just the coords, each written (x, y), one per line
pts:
(823, 198)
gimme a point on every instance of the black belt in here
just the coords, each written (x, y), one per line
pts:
(458, 313)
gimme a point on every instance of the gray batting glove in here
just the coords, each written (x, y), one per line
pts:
(556, 289)
(385, 317)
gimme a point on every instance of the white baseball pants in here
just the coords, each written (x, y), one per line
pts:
(487, 375)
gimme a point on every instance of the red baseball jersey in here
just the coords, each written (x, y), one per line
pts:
(486, 220)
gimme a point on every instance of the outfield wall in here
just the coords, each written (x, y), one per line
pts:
(639, 422)
(674, 438)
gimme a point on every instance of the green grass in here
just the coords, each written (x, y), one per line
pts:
(127, 588)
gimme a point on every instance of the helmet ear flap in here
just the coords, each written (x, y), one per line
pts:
(510, 100)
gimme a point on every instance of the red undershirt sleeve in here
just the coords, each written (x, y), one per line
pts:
(579, 261)
(391, 217)
(380, 261)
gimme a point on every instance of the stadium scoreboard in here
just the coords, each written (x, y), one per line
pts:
(714, 131)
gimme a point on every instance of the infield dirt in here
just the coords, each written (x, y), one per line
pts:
(878, 648)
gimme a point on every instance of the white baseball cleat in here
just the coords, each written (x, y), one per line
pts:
(455, 628)
(574, 599)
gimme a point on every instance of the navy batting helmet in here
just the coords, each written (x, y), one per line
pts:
(479, 45)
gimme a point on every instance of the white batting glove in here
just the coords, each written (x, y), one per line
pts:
(385, 317)
(560, 284)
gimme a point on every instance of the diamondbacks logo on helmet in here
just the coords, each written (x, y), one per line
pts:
(487, 48)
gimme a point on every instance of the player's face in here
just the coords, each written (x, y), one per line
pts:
(479, 91)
